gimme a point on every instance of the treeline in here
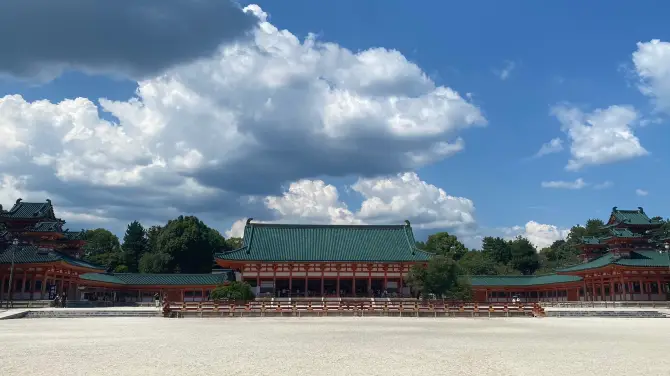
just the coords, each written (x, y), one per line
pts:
(182, 245)
(187, 245)
(518, 256)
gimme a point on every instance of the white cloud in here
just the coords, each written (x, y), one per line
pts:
(600, 137)
(553, 146)
(505, 72)
(652, 62)
(559, 184)
(641, 192)
(386, 201)
(408, 197)
(241, 122)
(603, 185)
(540, 235)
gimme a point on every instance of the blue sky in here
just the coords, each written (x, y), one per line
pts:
(575, 54)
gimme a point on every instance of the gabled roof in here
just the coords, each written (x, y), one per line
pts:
(622, 233)
(305, 243)
(47, 226)
(30, 254)
(631, 217)
(522, 280)
(29, 210)
(591, 240)
(638, 258)
(138, 279)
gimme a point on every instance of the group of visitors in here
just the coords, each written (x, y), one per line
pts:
(60, 300)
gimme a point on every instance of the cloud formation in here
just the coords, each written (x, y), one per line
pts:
(212, 135)
(136, 38)
(385, 201)
(539, 234)
(599, 137)
(651, 60)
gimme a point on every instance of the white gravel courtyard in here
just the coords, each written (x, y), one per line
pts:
(334, 346)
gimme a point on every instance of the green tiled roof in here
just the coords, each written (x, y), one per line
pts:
(138, 279)
(522, 280)
(51, 226)
(639, 258)
(30, 254)
(70, 235)
(593, 240)
(305, 243)
(24, 210)
(631, 217)
(623, 233)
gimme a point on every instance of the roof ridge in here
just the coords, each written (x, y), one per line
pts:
(298, 225)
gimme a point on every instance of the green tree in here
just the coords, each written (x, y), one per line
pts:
(238, 291)
(102, 248)
(442, 277)
(498, 249)
(134, 245)
(560, 254)
(477, 263)
(190, 244)
(155, 262)
(152, 238)
(593, 227)
(524, 256)
(446, 245)
(234, 243)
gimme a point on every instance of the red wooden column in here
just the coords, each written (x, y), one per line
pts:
(386, 278)
(338, 267)
(274, 279)
(369, 277)
(290, 279)
(258, 276)
(593, 289)
(307, 268)
(323, 268)
(353, 280)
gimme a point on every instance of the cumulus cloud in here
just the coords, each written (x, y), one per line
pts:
(553, 146)
(210, 135)
(540, 235)
(135, 38)
(600, 137)
(388, 200)
(560, 184)
(651, 60)
(641, 192)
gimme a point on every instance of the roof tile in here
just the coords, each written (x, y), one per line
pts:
(522, 280)
(139, 279)
(304, 243)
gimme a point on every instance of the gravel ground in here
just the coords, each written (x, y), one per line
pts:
(334, 346)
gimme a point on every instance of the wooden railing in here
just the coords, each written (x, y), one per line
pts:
(345, 307)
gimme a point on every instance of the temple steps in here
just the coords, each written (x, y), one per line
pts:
(607, 313)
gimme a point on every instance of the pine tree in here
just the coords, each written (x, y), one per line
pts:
(135, 244)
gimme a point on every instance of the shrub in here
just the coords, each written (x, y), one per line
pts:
(238, 291)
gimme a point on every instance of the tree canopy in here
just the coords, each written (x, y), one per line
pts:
(442, 243)
(442, 277)
(189, 245)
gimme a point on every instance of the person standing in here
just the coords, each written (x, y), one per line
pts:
(157, 300)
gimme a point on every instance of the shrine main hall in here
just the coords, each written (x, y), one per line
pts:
(39, 258)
